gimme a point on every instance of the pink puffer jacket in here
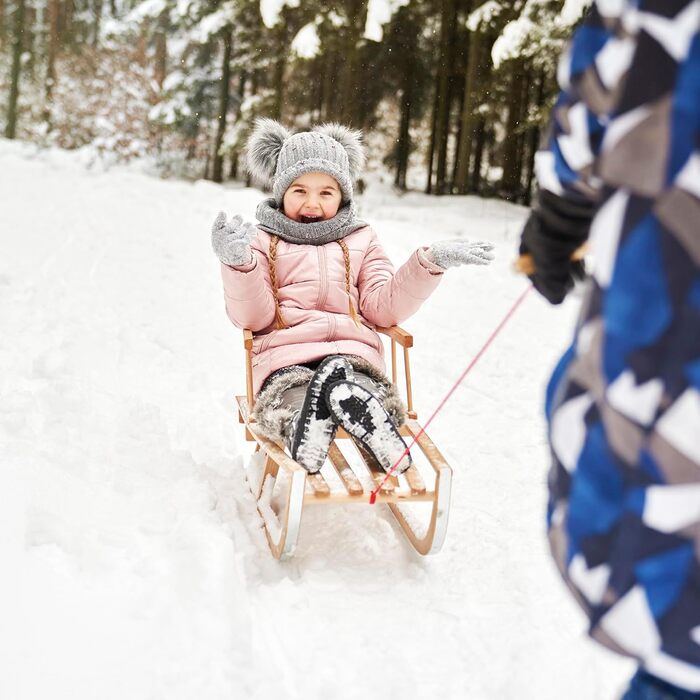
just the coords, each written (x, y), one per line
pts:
(314, 303)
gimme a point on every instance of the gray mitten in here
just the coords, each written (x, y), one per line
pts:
(447, 254)
(231, 241)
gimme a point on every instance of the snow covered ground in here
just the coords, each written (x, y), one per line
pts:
(134, 566)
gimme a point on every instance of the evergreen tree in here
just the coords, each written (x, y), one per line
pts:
(18, 35)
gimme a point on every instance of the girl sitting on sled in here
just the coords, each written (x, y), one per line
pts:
(311, 281)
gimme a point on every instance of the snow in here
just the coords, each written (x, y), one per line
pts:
(270, 10)
(306, 43)
(572, 11)
(135, 564)
(484, 14)
(379, 13)
(512, 39)
(211, 24)
(528, 29)
(148, 8)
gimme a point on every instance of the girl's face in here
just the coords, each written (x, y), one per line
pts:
(312, 197)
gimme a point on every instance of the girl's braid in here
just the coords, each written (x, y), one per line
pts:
(279, 319)
(346, 257)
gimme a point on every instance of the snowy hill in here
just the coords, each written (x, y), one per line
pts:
(135, 566)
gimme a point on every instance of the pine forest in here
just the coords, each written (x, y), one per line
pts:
(452, 95)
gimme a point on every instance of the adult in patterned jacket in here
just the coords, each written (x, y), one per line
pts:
(622, 163)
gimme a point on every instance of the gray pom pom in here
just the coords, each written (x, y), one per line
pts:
(351, 141)
(264, 146)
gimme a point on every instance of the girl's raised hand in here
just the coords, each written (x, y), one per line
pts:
(231, 240)
(446, 254)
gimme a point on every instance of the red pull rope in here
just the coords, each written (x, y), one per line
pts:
(477, 357)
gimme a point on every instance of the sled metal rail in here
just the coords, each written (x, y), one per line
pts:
(313, 489)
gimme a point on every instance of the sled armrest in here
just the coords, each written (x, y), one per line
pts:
(398, 334)
(405, 340)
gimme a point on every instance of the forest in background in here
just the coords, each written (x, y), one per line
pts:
(452, 94)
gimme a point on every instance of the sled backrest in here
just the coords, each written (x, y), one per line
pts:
(397, 335)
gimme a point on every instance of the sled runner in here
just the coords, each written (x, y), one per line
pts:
(350, 473)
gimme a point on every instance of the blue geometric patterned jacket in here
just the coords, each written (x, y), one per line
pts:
(623, 405)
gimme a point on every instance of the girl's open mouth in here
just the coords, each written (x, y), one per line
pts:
(310, 219)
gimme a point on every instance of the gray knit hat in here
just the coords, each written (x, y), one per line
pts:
(277, 155)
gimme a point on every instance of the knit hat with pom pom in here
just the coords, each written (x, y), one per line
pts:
(277, 155)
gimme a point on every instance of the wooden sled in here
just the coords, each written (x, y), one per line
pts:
(282, 527)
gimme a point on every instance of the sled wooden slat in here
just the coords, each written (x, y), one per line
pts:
(437, 461)
(415, 480)
(341, 498)
(318, 485)
(282, 514)
(376, 471)
(386, 487)
(347, 475)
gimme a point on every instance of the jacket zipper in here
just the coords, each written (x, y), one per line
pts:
(323, 289)
(267, 339)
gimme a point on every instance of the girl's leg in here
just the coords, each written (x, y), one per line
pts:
(310, 433)
(357, 406)
(280, 398)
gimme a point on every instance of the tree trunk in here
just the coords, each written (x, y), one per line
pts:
(18, 36)
(240, 94)
(66, 26)
(348, 75)
(51, 51)
(431, 148)
(320, 88)
(327, 87)
(457, 138)
(510, 182)
(97, 14)
(404, 145)
(468, 117)
(526, 83)
(332, 103)
(161, 57)
(224, 94)
(443, 106)
(31, 37)
(141, 42)
(34, 41)
(482, 87)
(280, 65)
(279, 88)
(534, 140)
(479, 142)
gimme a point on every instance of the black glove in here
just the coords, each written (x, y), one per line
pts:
(555, 229)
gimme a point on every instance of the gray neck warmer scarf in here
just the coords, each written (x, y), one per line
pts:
(272, 220)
